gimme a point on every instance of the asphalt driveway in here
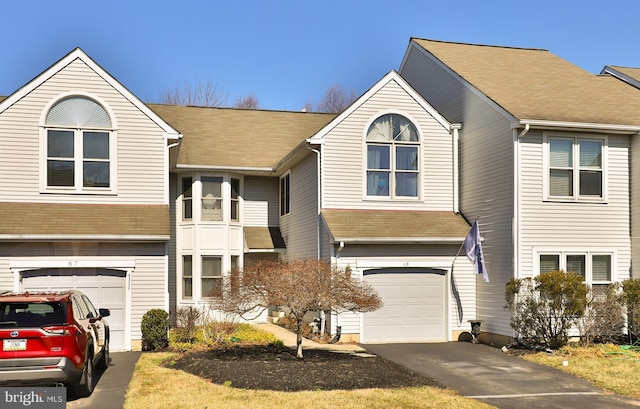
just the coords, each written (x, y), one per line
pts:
(487, 374)
(111, 386)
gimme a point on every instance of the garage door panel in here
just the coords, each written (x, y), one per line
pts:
(413, 310)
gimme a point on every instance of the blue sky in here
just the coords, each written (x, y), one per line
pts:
(287, 52)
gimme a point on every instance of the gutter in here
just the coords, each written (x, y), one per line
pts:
(84, 237)
(398, 240)
(575, 126)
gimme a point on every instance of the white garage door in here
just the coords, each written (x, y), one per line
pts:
(414, 306)
(105, 288)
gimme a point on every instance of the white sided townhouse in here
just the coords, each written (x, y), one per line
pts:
(548, 161)
(149, 206)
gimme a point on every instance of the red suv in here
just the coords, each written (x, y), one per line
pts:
(52, 338)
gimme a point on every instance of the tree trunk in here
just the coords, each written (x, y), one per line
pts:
(299, 338)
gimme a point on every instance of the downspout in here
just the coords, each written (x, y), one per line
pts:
(517, 182)
(318, 193)
(455, 128)
(336, 338)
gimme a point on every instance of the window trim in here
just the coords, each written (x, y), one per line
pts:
(78, 187)
(392, 160)
(576, 168)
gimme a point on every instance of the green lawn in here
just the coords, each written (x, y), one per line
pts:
(611, 367)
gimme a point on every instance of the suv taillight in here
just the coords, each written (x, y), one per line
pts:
(61, 329)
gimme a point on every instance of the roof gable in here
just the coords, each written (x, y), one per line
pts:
(391, 76)
(534, 84)
(78, 54)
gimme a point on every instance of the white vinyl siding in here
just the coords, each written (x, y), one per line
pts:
(260, 201)
(601, 227)
(486, 174)
(300, 227)
(344, 156)
(139, 155)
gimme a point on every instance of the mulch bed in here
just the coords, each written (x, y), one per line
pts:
(274, 368)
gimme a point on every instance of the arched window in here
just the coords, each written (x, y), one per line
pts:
(79, 146)
(392, 157)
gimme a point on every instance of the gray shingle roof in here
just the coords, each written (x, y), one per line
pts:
(536, 84)
(227, 137)
(395, 225)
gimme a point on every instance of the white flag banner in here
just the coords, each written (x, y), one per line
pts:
(473, 249)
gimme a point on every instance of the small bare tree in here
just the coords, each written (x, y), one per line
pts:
(298, 286)
(202, 93)
(249, 101)
(335, 100)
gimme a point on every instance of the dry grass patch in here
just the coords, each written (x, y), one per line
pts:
(610, 367)
(155, 386)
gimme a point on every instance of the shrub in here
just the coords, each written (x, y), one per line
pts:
(545, 308)
(603, 320)
(186, 324)
(631, 299)
(155, 325)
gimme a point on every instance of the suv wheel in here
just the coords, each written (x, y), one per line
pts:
(85, 385)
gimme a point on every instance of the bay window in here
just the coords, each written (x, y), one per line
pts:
(392, 168)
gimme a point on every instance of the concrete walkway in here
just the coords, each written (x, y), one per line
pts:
(289, 339)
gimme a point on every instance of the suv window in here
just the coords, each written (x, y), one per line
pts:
(35, 314)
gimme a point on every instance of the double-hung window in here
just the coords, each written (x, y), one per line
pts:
(187, 198)
(285, 194)
(576, 168)
(211, 276)
(392, 158)
(235, 199)
(212, 198)
(78, 147)
(187, 276)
